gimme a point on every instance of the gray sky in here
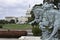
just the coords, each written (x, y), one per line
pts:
(16, 7)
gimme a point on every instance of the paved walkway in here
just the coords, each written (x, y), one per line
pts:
(23, 38)
(29, 38)
(9, 39)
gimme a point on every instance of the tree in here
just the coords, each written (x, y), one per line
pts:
(6, 22)
(12, 21)
(2, 22)
(32, 16)
(17, 20)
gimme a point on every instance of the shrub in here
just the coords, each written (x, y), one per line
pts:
(6, 22)
(1, 26)
(2, 21)
(36, 31)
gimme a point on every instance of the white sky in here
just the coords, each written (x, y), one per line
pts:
(16, 7)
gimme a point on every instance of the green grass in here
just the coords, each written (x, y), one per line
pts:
(17, 26)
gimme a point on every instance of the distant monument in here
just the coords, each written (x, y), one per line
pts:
(48, 18)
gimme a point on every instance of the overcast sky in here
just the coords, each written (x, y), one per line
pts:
(16, 7)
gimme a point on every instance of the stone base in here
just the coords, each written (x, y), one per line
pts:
(30, 38)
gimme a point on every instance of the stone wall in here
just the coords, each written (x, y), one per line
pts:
(12, 34)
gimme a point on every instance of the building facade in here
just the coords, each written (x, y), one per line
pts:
(28, 13)
(21, 20)
(10, 18)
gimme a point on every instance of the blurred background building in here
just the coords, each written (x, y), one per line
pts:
(18, 20)
(28, 12)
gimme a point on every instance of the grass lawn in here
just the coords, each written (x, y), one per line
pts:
(17, 26)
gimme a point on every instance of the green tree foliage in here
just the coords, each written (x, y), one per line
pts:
(2, 22)
(36, 31)
(12, 21)
(5, 22)
(32, 16)
(17, 20)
